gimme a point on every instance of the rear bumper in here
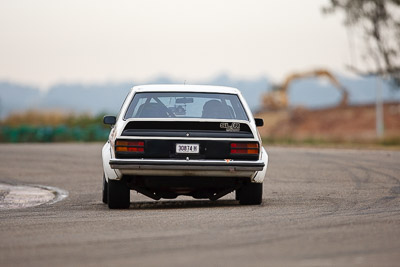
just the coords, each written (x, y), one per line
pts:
(200, 165)
(167, 167)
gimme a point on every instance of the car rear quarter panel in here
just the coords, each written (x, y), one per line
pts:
(107, 155)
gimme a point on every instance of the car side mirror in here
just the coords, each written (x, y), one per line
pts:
(259, 122)
(110, 120)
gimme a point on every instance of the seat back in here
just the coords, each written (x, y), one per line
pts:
(152, 110)
(215, 109)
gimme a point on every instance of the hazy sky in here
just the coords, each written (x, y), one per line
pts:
(46, 42)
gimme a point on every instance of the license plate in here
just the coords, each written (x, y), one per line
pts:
(187, 148)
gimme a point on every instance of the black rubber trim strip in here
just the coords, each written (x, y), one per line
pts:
(186, 163)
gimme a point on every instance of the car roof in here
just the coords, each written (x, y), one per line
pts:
(185, 88)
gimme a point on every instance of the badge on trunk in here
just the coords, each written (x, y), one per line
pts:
(233, 127)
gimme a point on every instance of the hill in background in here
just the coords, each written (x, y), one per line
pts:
(108, 97)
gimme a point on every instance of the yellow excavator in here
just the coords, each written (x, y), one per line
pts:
(277, 99)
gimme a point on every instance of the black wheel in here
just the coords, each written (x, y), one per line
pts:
(251, 194)
(118, 195)
(105, 189)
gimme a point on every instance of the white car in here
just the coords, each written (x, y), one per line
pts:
(194, 140)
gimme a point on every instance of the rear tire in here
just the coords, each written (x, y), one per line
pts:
(251, 194)
(105, 189)
(118, 194)
(237, 194)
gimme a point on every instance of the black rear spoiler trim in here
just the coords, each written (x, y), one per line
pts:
(189, 133)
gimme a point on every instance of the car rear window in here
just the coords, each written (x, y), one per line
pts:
(186, 105)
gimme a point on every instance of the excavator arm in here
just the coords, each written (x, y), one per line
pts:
(278, 99)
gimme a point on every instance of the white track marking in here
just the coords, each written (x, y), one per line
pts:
(23, 196)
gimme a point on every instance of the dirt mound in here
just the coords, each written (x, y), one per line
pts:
(347, 123)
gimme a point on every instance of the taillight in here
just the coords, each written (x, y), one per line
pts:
(244, 148)
(129, 146)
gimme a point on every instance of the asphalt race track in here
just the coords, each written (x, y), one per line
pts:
(321, 208)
